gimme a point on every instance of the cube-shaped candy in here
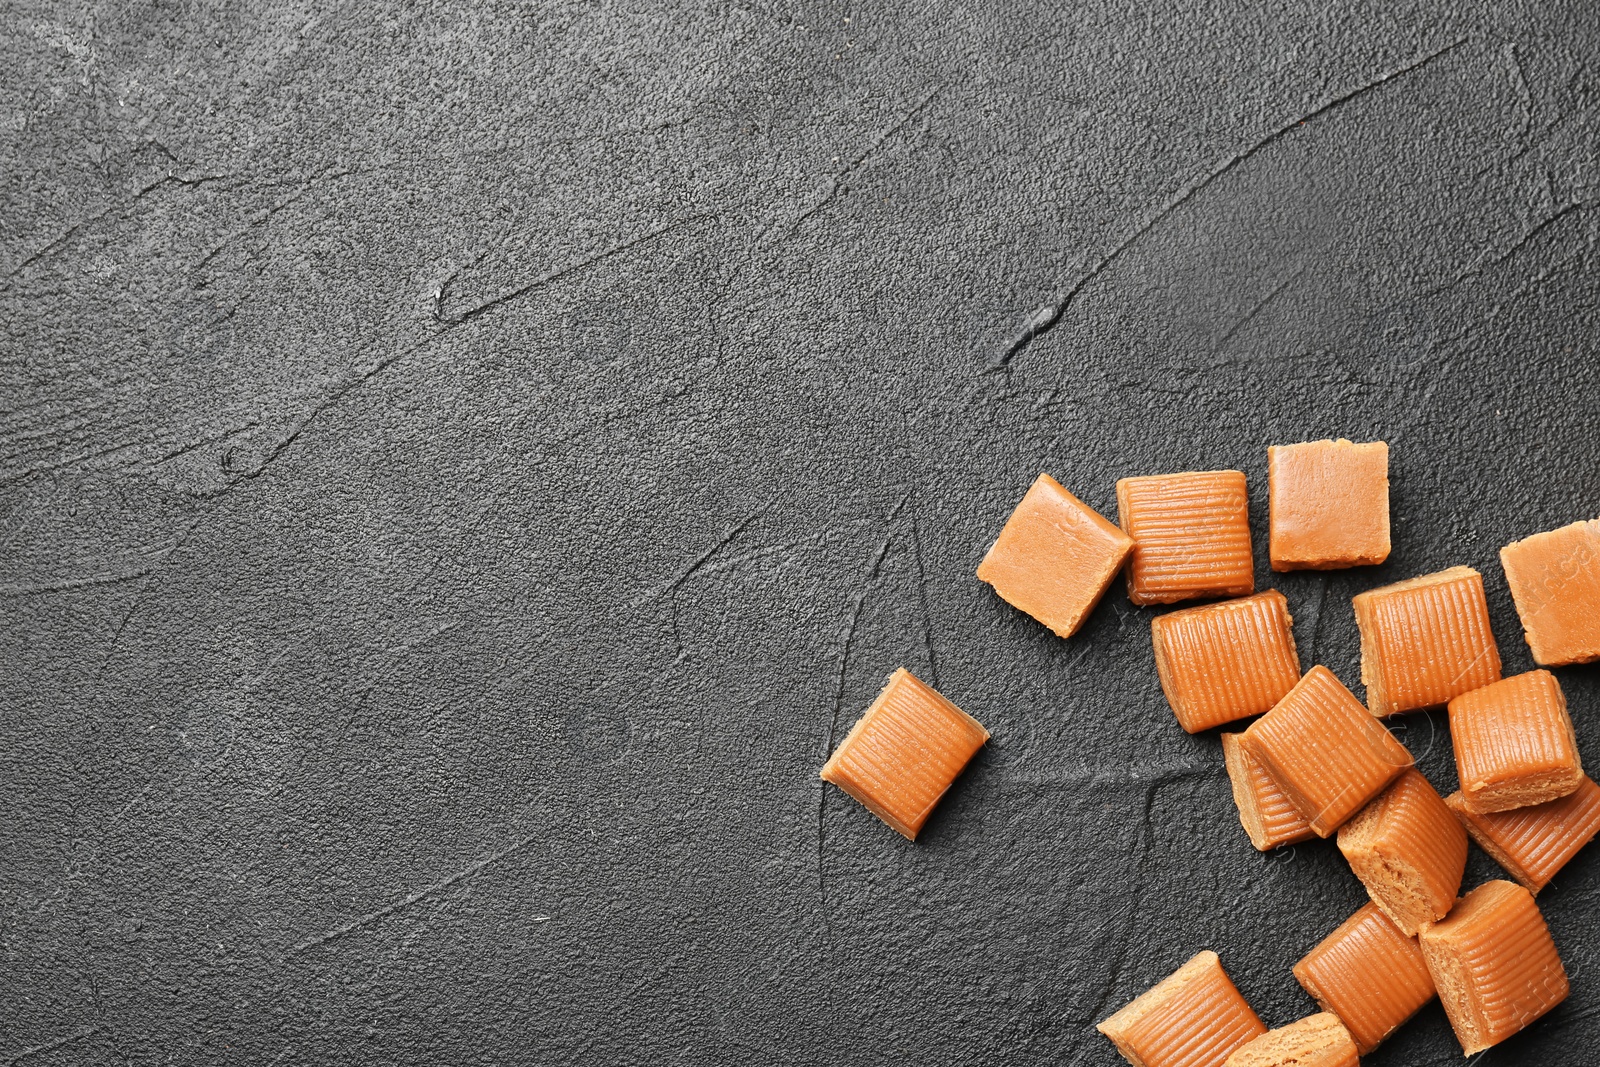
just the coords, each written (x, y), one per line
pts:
(1227, 661)
(1555, 582)
(1369, 974)
(1514, 744)
(1268, 817)
(1328, 504)
(1194, 1017)
(1425, 640)
(1315, 1041)
(1533, 843)
(1191, 536)
(1409, 850)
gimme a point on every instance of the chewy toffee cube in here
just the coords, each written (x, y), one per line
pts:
(1055, 557)
(1227, 661)
(1425, 640)
(1369, 974)
(1268, 817)
(1555, 582)
(1534, 843)
(1192, 1018)
(1409, 850)
(904, 752)
(1514, 744)
(1191, 536)
(1315, 1041)
(1328, 504)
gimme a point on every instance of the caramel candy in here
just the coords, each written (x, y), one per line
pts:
(1555, 582)
(1191, 536)
(1329, 504)
(902, 755)
(1324, 751)
(1408, 850)
(1494, 964)
(1532, 844)
(1055, 557)
(1369, 974)
(1192, 1018)
(1315, 1041)
(1514, 744)
(1226, 661)
(1266, 813)
(1425, 640)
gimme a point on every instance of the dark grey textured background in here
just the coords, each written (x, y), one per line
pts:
(459, 467)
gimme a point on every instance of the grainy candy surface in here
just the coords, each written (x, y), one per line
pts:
(1408, 850)
(1425, 640)
(1269, 818)
(1315, 1041)
(1555, 583)
(1514, 743)
(1328, 504)
(1534, 843)
(1194, 1017)
(1226, 661)
(1368, 973)
(1191, 536)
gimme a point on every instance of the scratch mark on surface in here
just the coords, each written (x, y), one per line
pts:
(1249, 316)
(72, 583)
(51, 1046)
(1524, 94)
(699, 561)
(922, 595)
(144, 591)
(1497, 259)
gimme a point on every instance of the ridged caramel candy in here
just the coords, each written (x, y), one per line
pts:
(1266, 813)
(1324, 751)
(1055, 557)
(1369, 974)
(1315, 1041)
(1534, 843)
(1494, 964)
(1555, 582)
(1227, 661)
(1514, 744)
(1329, 504)
(904, 752)
(1191, 536)
(1425, 640)
(1409, 850)
(1192, 1018)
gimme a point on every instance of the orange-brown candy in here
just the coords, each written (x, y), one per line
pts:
(1555, 582)
(1369, 974)
(1329, 504)
(1055, 557)
(1514, 744)
(1227, 661)
(1315, 1041)
(1408, 850)
(1532, 844)
(902, 755)
(1192, 1018)
(1191, 536)
(1324, 751)
(1425, 640)
(1494, 964)
(1266, 813)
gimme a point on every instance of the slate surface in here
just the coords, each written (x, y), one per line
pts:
(462, 464)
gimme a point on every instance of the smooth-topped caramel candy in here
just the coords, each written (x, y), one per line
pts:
(1324, 751)
(1409, 850)
(1425, 640)
(1494, 964)
(1055, 557)
(1266, 813)
(1329, 504)
(1369, 974)
(1192, 1018)
(902, 755)
(1191, 536)
(1227, 661)
(1555, 582)
(1533, 843)
(1315, 1041)
(1514, 744)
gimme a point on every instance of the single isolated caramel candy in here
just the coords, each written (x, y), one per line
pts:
(1266, 813)
(1328, 504)
(1409, 850)
(1191, 536)
(1055, 557)
(1324, 751)
(1192, 1018)
(1514, 744)
(1425, 640)
(904, 752)
(1315, 1041)
(1533, 843)
(1369, 974)
(1227, 661)
(1494, 964)
(1555, 582)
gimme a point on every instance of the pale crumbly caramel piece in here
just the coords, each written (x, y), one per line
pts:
(1425, 640)
(1324, 751)
(1514, 744)
(904, 752)
(1267, 815)
(1316, 1041)
(1055, 557)
(1534, 843)
(1555, 582)
(1494, 964)
(1227, 661)
(1192, 1018)
(1369, 974)
(1191, 536)
(1329, 504)
(1409, 850)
